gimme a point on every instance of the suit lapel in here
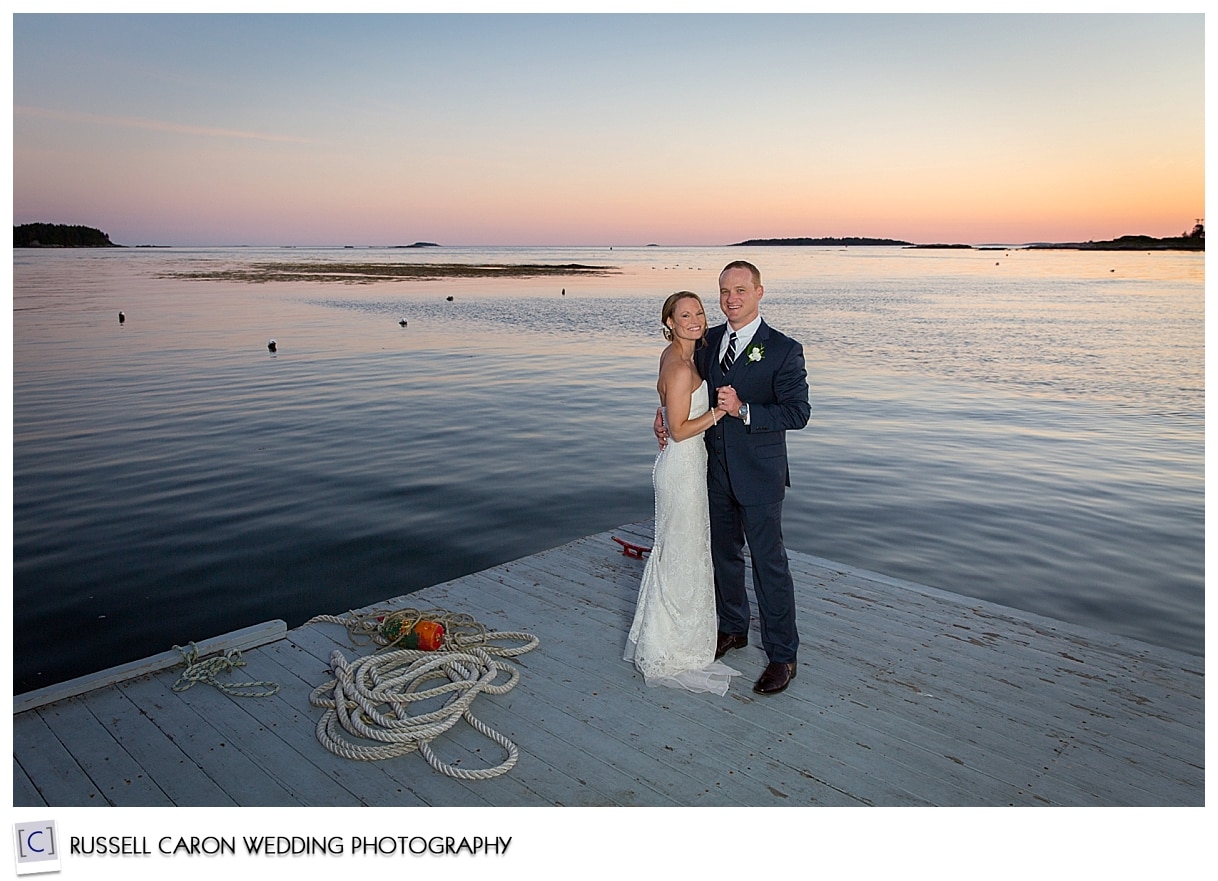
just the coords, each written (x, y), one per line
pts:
(714, 338)
(759, 339)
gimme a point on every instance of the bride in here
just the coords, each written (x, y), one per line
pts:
(672, 638)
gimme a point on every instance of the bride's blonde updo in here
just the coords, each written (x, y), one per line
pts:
(670, 306)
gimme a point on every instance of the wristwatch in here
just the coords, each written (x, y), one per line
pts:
(744, 413)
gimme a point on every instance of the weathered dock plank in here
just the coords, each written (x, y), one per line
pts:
(210, 746)
(183, 781)
(117, 776)
(905, 695)
(24, 791)
(50, 767)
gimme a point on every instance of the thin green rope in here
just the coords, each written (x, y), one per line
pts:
(207, 670)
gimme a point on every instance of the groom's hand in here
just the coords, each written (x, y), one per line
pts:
(729, 401)
(660, 429)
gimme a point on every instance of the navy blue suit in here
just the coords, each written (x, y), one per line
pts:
(747, 476)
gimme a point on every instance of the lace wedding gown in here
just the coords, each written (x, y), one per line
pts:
(672, 639)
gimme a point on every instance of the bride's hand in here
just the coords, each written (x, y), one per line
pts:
(660, 429)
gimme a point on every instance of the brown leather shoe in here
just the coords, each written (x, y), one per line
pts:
(728, 641)
(775, 678)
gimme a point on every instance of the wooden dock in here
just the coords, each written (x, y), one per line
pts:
(905, 695)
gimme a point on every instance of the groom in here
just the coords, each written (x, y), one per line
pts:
(758, 376)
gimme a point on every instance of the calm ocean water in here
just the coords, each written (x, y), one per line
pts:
(1023, 427)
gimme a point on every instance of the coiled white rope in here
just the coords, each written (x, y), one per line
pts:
(207, 670)
(372, 697)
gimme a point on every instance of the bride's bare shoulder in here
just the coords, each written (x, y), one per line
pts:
(677, 375)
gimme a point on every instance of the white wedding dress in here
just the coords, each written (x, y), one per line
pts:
(672, 639)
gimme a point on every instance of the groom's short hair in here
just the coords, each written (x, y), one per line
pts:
(744, 264)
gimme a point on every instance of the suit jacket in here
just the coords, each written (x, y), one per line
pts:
(776, 389)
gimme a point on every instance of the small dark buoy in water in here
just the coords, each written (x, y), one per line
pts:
(121, 318)
(402, 322)
(271, 346)
(450, 299)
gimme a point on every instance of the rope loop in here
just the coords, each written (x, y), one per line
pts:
(396, 701)
(460, 630)
(207, 670)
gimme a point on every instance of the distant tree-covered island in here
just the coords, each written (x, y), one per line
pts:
(1189, 241)
(59, 235)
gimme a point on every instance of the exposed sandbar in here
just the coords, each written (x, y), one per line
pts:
(366, 273)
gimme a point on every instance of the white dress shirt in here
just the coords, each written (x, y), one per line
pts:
(744, 336)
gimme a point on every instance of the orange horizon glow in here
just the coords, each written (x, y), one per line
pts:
(374, 130)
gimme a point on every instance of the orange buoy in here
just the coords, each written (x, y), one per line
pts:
(425, 636)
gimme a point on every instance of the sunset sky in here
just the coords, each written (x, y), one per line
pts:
(608, 129)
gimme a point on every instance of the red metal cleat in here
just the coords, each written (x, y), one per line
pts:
(632, 550)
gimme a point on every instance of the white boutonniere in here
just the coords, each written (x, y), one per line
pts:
(756, 352)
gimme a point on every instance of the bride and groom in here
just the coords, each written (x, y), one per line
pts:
(720, 479)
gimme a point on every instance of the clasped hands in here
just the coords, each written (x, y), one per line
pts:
(728, 401)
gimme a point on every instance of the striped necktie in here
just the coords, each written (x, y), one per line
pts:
(730, 355)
